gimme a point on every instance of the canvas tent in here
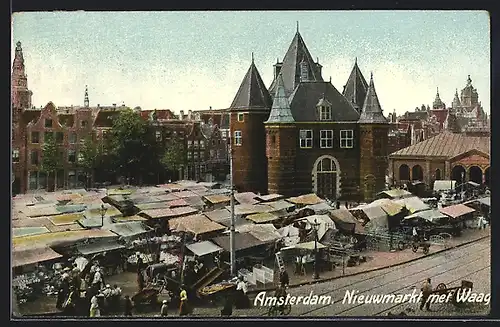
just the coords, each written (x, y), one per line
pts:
(444, 185)
(413, 204)
(432, 216)
(345, 221)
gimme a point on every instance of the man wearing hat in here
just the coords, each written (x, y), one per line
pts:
(97, 281)
(164, 308)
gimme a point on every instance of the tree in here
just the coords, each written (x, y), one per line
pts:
(132, 146)
(51, 161)
(174, 156)
(89, 156)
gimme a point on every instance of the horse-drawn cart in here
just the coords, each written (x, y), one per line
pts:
(453, 292)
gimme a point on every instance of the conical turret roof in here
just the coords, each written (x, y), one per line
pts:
(252, 93)
(297, 52)
(356, 87)
(280, 111)
(372, 111)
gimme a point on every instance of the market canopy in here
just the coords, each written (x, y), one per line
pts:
(196, 224)
(168, 212)
(27, 231)
(433, 216)
(263, 232)
(457, 210)
(246, 198)
(242, 241)
(263, 217)
(305, 246)
(217, 198)
(444, 185)
(280, 205)
(324, 221)
(394, 194)
(413, 204)
(320, 208)
(50, 239)
(66, 219)
(99, 247)
(203, 248)
(23, 257)
(390, 207)
(306, 199)
(270, 197)
(346, 221)
(129, 229)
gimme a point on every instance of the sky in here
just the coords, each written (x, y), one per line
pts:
(197, 60)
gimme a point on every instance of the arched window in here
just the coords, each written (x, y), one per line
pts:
(404, 173)
(438, 174)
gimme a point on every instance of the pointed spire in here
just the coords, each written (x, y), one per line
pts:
(456, 100)
(372, 111)
(252, 93)
(438, 103)
(252, 58)
(356, 87)
(86, 98)
(297, 51)
(280, 110)
(297, 26)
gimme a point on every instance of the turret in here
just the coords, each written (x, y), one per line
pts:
(374, 129)
(21, 96)
(280, 144)
(248, 111)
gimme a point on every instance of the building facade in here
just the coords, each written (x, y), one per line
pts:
(304, 136)
(447, 156)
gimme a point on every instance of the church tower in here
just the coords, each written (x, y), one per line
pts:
(356, 87)
(21, 96)
(374, 129)
(248, 111)
(281, 144)
(438, 103)
(86, 101)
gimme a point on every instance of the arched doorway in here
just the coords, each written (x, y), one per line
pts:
(417, 173)
(487, 177)
(476, 174)
(404, 173)
(325, 173)
(438, 174)
(458, 174)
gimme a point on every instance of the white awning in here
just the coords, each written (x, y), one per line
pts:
(203, 248)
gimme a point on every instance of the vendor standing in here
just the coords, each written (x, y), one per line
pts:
(183, 308)
(242, 300)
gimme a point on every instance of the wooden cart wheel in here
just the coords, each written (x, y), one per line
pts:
(414, 248)
(426, 249)
(441, 287)
(401, 245)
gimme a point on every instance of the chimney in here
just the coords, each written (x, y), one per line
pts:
(210, 107)
(98, 105)
(181, 114)
(190, 115)
(277, 68)
(114, 105)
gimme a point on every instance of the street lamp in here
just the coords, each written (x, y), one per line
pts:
(463, 182)
(315, 226)
(102, 211)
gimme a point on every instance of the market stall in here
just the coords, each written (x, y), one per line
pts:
(413, 204)
(199, 225)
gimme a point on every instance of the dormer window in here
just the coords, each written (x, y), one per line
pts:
(325, 113)
(240, 117)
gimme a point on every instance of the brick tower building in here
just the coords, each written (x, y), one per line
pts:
(21, 100)
(281, 144)
(248, 111)
(374, 130)
(315, 138)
